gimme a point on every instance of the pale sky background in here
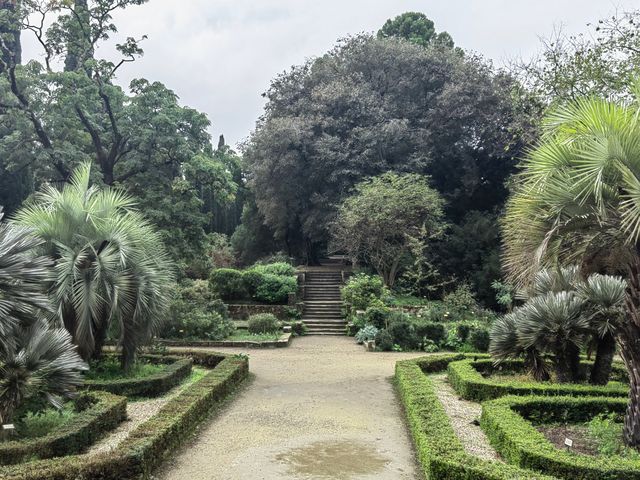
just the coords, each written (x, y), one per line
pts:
(220, 55)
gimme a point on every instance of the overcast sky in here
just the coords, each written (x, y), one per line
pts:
(219, 55)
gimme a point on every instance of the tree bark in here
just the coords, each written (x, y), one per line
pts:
(567, 363)
(629, 342)
(605, 351)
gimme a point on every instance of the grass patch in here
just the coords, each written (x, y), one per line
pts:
(36, 425)
(253, 337)
(410, 301)
(108, 368)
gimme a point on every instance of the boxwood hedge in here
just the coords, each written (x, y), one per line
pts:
(145, 447)
(87, 426)
(505, 422)
(467, 380)
(439, 450)
(175, 370)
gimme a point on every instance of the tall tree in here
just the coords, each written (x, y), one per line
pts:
(373, 105)
(386, 219)
(416, 28)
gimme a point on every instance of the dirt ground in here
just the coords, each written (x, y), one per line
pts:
(322, 408)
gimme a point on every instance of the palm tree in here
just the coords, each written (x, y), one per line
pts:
(554, 322)
(605, 297)
(505, 344)
(111, 266)
(36, 361)
(578, 201)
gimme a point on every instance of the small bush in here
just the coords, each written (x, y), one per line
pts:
(274, 289)
(252, 280)
(377, 315)
(479, 339)
(435, 332)
(209, 326)
(361, 291)
(228, 284)
(366, 334)
(279, 269)
(263, 323)
(298, 328)
(462, 298)
(384, 341)
(404, 335)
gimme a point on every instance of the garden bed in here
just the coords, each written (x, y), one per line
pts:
(241, 341)
(146, 446)
(439, 450)
(175, 369)
(466, 376)
(507, 423)
(104, 412)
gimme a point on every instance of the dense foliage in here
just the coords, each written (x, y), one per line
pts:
(266, 283)
(373, 105)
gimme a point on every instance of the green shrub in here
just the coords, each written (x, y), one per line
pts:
(102, 412)
(438, 448)
(148, 444)
(479, 339)
(366, 334)
(298, 328)
(228, 284)
(377, 315)
(434, 332)
(251, 280)
(607, 428)
(361, 291)
(404, 335)
(461, 299)
(429, 346)
(274, 289)
(175, 369)
(384, 341)
(505, 421)
(263, 323)
(470, 384)
(207, 326)
(279, 269)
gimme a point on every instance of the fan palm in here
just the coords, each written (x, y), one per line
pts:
(110, 264)
(505, 344)
(578, 201)
(35, 360)
(605, 297)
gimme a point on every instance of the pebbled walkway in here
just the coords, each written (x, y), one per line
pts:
(321, 409)
(464, 416)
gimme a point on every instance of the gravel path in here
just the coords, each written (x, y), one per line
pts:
(138, 412)
(464, 416)
(322, 409)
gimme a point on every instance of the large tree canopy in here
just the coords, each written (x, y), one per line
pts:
(372, 105)
(52, 120)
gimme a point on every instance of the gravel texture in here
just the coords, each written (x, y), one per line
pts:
(138, 412)
(322, 408)
(464, 417)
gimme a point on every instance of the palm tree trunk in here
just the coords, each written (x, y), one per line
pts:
(567, 363)
(536, 365)
(605, 351)
(629, 342)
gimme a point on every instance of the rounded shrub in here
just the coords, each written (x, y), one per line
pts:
(377, 315)
(280, 269)
(251, 280)
(404, 334)
(207, 326)
(479, 339)
(384, 341)
(275, 289)
(228, 284)
(435, 332)
(263, 323)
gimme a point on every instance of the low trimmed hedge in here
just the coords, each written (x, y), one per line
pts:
(468, 382)
(176, 370)
(145, 448)
(518, 441)
(439, 450)
(74, 436)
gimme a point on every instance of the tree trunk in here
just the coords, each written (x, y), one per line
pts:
(536, 365)
(605, 351)
(567, 363)
(629, 342)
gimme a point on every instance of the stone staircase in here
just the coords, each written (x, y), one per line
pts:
(322, 310)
